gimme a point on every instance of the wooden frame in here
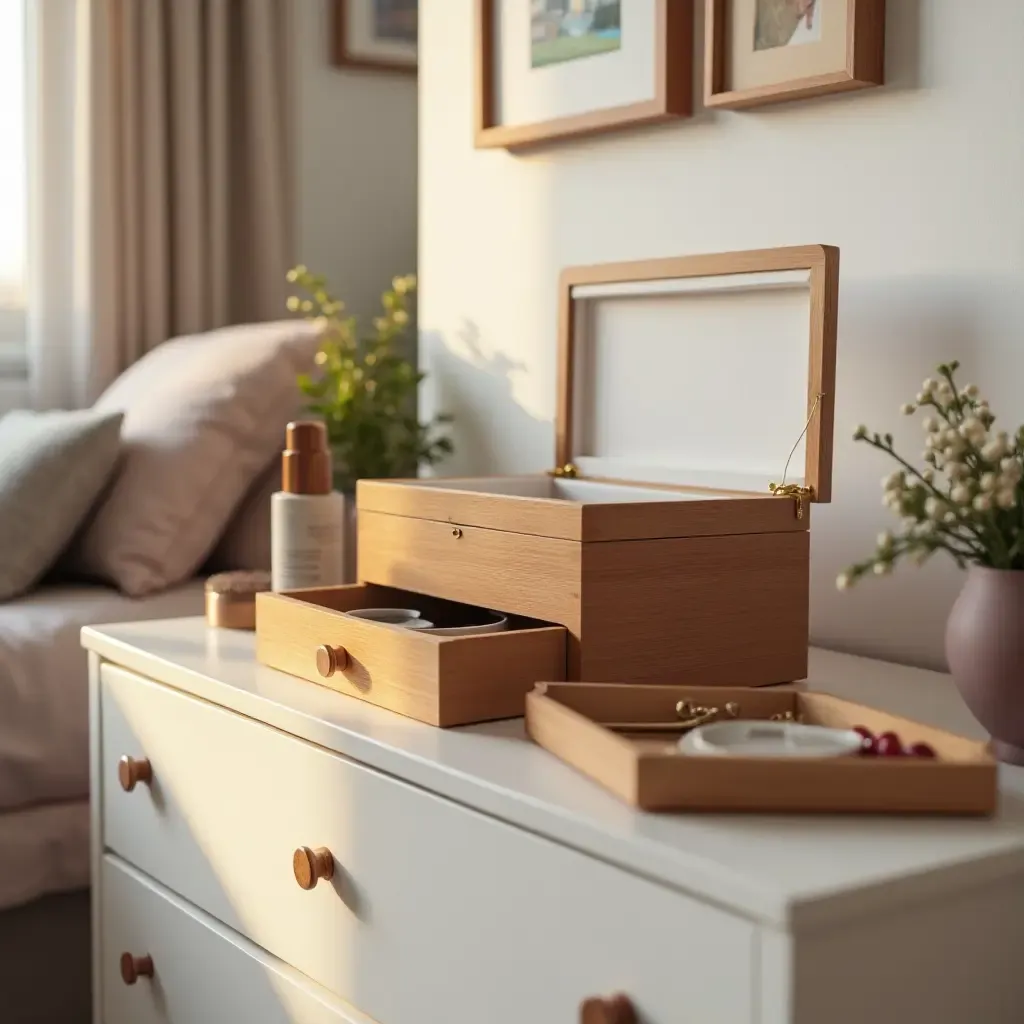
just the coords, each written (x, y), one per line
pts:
(673, 98)
(344, 58)
(821, 261)
(645, 770)
(865, 60)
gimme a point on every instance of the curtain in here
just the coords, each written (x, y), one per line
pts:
(162, 186)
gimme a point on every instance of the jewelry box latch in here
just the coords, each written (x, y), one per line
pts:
(569, 471)
(801, 495)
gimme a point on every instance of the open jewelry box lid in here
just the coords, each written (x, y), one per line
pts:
(711, 372)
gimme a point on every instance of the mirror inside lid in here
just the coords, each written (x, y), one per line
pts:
(703, 371)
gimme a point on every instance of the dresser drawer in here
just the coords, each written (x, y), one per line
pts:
(202, 973)
(434, 912)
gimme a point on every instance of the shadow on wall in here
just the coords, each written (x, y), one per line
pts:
(478, 389)
(892, 335)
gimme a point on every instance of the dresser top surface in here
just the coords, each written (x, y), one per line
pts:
(791, 871)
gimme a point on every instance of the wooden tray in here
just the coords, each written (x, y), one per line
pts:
(646, 769)
(441, 680)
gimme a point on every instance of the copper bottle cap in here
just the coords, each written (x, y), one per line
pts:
(306, 460)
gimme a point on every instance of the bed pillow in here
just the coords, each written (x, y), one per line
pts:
(53, 466)
(246, 541)
(203, 415)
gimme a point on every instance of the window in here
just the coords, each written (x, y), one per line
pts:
(13, 185)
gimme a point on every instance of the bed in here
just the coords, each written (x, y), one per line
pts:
(44, 789)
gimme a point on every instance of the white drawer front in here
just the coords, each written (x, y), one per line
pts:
(435, 912)
(202, 973)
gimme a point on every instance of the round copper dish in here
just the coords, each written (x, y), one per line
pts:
(231, 598)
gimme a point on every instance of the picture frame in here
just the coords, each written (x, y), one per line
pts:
(670, 64)
(850, 53)
(376, 35)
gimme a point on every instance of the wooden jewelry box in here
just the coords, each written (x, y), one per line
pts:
(656, 540)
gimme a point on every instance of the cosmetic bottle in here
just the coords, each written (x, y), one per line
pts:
(307, 518)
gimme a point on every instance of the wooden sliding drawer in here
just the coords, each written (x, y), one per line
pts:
(513, 572)
(165, 962)
(441, 680)
(431, 912)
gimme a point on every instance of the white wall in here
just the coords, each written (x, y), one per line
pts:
(356, 166)
(920, 184)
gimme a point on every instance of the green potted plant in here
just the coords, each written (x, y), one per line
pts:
(365, 388)
(968, 502)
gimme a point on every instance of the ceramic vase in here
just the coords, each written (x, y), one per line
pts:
(985, 650)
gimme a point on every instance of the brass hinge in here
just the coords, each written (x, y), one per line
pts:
(570, 469)
(801, 495)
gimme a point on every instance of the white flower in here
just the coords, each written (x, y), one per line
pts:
(860, 433)
(892, 500)
(983, 502)
(1006, 498)
(882, 568)
(844, 581)
(988, 481)
(970, 391)
(973, 430)
(935, 508)
(994, 450)
(885, 540)
(928, 476)
(949, 517)
(956, 470)
(893, 482)
(961, 494)
(931, 424)
(923, 397)
(928, 457)
(908, 408)
(1012, 470)
(928, 385)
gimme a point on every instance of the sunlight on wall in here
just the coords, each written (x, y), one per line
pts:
(12, 152)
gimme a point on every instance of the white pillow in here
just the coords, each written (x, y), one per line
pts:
(53, 466)
(203, 415)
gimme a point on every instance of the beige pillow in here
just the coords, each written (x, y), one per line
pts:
(246, 540)
(203, 415)
(53, 465)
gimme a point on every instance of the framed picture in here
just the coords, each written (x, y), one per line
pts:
(767, 51)
(555, 69)
(379, 35)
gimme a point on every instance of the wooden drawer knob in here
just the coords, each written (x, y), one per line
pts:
(615, 1009)
(312, 865)
(131, 772)
(135, 967)
(330, 660)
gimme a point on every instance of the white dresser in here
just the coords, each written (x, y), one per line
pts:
(475, 879)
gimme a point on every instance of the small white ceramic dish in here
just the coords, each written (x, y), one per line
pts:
(498, 623)
(407, 618)
(770, 739)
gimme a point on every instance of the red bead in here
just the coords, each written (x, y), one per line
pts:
(922, 750)
(889, 745)
(868, 746)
